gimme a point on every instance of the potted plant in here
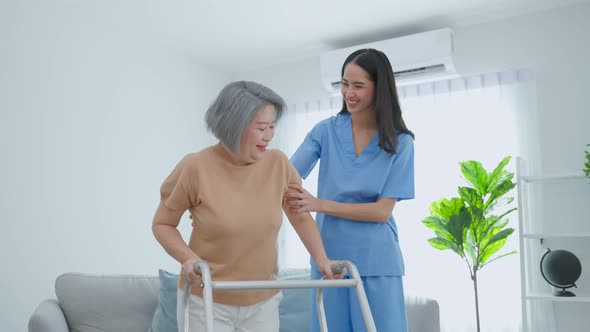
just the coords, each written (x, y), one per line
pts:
(587, 163)
(470, 225)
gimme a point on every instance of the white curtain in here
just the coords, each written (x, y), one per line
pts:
(473, 118)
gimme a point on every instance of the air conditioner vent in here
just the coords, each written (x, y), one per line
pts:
(419, 71)
(418, 58)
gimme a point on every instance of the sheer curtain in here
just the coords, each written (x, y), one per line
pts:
(473, 118)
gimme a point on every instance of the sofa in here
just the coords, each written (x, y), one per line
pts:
(129, 303)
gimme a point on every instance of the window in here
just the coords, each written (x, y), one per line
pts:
(472, 118)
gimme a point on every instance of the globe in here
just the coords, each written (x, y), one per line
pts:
(561, 269)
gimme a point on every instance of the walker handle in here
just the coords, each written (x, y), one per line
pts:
(338, 267)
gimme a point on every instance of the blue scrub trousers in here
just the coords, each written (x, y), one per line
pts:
(343, 314)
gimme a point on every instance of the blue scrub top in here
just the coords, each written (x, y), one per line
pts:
(373, 247)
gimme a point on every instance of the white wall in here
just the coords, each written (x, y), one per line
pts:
(553, 44)
(94, 114)
(553, 129)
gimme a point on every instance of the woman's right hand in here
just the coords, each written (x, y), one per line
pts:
(327, 266)
(188, 274)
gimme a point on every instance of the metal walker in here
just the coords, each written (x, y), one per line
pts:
(202, 268)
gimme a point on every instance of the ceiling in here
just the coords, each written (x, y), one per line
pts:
(241, 35)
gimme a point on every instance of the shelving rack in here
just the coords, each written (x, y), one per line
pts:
(532, 239)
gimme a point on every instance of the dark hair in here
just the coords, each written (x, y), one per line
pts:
(388, 112)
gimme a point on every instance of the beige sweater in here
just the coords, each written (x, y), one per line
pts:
(237, 213)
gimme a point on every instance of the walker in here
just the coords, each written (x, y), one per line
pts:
(202, 268)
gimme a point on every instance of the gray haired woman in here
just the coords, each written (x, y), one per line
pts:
(234, 192)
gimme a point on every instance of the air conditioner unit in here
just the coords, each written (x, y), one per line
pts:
(415, 59)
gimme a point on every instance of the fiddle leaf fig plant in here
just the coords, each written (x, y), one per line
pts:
(473, 225)
(587, 163)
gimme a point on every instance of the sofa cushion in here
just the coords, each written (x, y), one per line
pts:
(48, 317)
(165, 316)
(423, 314)
(93, 303)
(295, 310)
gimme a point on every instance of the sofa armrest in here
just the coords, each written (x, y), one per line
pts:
(48, 317)
(423, 314)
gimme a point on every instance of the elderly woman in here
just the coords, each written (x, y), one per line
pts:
(234, 192)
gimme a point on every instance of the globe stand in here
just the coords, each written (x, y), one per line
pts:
(563, 293)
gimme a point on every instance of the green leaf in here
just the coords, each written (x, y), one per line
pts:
(442, 244)
(498, 257)
(435, 223)
(471, 248)
(445, 235)
(491, 250)
(471, 197)
(445, 208)
(502, 225)
(500, 190)
(499, 202)
(495, 243)
(476, 175)
(498, 173)
(489, 225)
(439, 226)
(501, 235)
(458, 226)
(506, 213)
(477, 222)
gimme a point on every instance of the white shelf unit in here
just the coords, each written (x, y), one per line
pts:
(544, 236)
(557, 177)
(534, 239)
(552, 298)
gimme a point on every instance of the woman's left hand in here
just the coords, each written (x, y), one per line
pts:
(300, 200)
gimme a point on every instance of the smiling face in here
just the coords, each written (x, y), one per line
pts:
(357, 89)
(258, 134)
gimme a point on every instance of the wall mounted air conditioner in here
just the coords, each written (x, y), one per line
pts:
(415, 59)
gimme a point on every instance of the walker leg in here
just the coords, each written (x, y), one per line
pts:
(360, 292)
(186, 298)
(321, 312)
(201, 268)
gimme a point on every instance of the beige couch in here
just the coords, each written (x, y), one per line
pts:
(127, 303)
